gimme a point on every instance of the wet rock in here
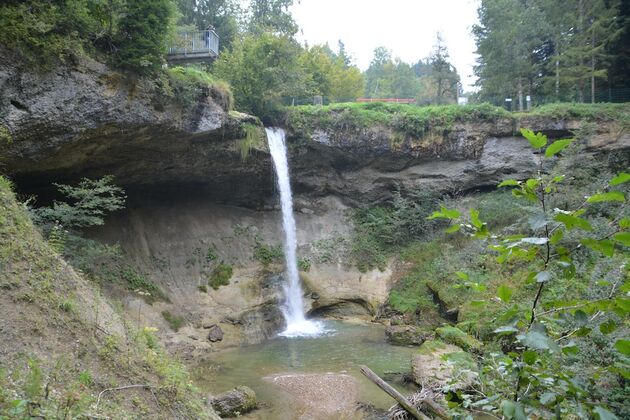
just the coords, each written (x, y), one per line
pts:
(457, 337)
(262, 322)
(234, 403)
(215, 333)
(406, 335)
(439, 365)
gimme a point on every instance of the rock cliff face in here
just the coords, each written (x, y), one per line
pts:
(191, 190)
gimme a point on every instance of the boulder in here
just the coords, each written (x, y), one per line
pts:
(457, 337)
(406, 335)
(215, 333)
(441, 365)
(234, 403)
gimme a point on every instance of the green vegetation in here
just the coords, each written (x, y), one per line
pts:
(220, 276)
(42, 296)
(174, 321)
(569, 51)
(86, 205)
(130, 33)
(253, 138)
(304, 264)
(433, 80)
(267, 254)
(5, 136)
(416, 122)
(143, 30)
(543, 285)
(189, 84)
(379, 231)
(455, 336)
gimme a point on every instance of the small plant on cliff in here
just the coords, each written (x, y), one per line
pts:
(174, 321)
(220, 276)
(267, 254)
(539, 375)
(253, 137)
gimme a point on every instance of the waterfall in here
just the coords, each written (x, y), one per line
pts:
(293, 307)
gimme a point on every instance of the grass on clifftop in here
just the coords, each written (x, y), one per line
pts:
(417, 121)
(413, 120)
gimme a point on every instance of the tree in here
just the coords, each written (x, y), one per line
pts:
(142, 38)
(272, 16)
(223, 15)
(443, 74)
(262, 69)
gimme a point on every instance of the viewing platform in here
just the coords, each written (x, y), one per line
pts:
(194, 46)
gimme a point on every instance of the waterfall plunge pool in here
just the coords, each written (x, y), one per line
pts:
(340, 351)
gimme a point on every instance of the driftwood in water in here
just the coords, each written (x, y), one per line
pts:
(393, 393)
(404, 402)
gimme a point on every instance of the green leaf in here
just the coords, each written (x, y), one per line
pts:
(556, 237)
(580, 317)
(573, 222)
(623, 346)
(444, 213)
(461, 275)
(609, 196)
(624, 223)
(557, 146)
(508, 183)
(605, 246)
(506, 329)
(536, 140)
(548, 397)
(455, 228)
(504, 293)
(603, 414)
(607, 327)
(623, 238)
(543, 276)
(620, 179)
(474, 218)
(513, 410)
(538, 340)
(530, 357)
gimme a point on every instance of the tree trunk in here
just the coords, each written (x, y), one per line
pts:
(557, 79)
(520, 94)
(592, 66)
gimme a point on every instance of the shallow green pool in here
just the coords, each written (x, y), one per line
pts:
(342, 350)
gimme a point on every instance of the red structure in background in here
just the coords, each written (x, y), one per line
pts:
(394, 100)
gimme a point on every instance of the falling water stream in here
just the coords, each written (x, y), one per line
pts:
(293, 307)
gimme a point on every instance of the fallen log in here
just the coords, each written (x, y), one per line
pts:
(393, 393)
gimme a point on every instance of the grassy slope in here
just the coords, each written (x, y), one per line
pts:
(61, 343)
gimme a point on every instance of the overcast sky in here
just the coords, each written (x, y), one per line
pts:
(407, 27)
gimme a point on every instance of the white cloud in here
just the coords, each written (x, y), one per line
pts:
(407, 27)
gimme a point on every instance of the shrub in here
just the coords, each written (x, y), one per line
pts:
(191, 84)
(267, 254)
(304, 264)
(220, 276)
(546, 316)
(174, 321)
